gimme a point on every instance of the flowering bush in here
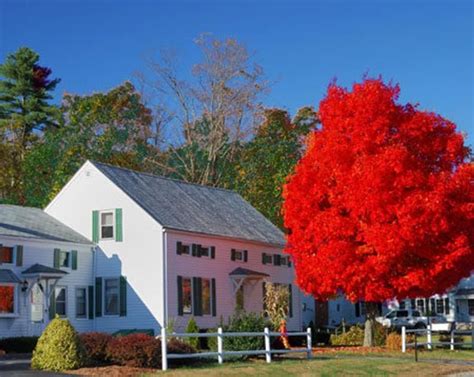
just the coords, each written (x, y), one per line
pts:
(95, 345)
(135, 350)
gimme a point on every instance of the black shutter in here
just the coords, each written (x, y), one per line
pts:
(74, 259)
(194, 250)
(98, 297)
(180, 295)
(90, 300)
(290, 300)
(263, 258)
(214, 297)
(123, 296)
(213, 252)
(357, 309)
(232, 254)
(276, 259)
(179, 248)
(245, 255)
(199, 247)
(289, 261)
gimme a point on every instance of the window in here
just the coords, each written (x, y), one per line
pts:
(7, 300)
(284, 261)
(416, 313)
(6, 254)
(238, 255)
(470, 306)
(111, 296)
(267, 258)
(442, 306)
(206, 296)
(61, 301)
(107, 225)
(205, 252)
(81, 303)
(402, 304)
(363, 310)
(420, 305)
(64, 259)
(402, 313)
(187, 303)
(185, 249)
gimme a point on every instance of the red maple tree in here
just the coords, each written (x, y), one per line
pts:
(381, 204)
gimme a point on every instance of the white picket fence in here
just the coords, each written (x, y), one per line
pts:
(430, 331)
(221, 353)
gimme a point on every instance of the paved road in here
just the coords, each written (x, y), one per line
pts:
(21, 367)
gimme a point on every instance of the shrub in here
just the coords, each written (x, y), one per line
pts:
(178, 346)
(353, 337)
(20, 344)
(192, 328)
(380, 335)
(59, 348)
(135, 350)
(95, 345)
(394, 341)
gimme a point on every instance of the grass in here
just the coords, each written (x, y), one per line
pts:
(322, 366)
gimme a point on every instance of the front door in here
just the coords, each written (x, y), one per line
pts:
(322, 313)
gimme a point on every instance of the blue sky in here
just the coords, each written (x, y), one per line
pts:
(425, 46)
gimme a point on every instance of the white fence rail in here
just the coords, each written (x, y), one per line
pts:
(430, 331)
(221, 353)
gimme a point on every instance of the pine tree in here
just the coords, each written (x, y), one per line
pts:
(25, 111)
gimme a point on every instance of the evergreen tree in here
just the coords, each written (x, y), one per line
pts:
(25, 111)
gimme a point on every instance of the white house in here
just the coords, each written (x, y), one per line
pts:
(42, 261)
(168, 250)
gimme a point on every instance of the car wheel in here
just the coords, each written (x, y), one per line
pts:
(420, 325)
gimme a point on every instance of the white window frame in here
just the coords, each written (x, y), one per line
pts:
(58, 287)
(190, 251)
(208, 249)
(86, 302)
(107, 211)
(69, 258)
(104, 297)
(15, 300)
(182, 294)
(13, 262)
(270, 261)
(241, 252)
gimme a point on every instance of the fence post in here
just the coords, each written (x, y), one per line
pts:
(452, 341)
(309, 343)
(428, 336)
(164, 356)
(404, 339)
(220, 346)
(268, 354)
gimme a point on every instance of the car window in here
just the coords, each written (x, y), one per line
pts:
(416, 313)
(402, 313)
(391, 314)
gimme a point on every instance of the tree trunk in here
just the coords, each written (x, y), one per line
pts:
(369, 333)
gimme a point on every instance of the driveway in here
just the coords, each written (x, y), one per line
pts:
(19, 366)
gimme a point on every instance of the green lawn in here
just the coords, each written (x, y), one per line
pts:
(320, 366)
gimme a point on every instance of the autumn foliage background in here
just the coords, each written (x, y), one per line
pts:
(381, 204)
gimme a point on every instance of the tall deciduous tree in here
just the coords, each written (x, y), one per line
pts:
(212, 112)
(268, 158)
(25, 111)
(381, 206)
(111, 127)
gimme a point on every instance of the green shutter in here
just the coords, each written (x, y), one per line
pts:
(123, 296)
(245, 255)
(263, 258)
(52, 304)
(57, 253)
(180, 295)
(95, 226)
(90, 301)
(232, 254)
(179, 248)
(290, 300)
(19, 255)
(98, 297)
(213, 252)
(199, 247)
(74, 259)
(194, 250)
(214, 297)
(118, 225)
(197, 297)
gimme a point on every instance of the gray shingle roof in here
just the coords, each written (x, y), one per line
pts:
(41, 269)
(195, 208)
(8, 276)
(27, 222)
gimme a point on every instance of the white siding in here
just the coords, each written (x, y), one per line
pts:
(138, 257)
(42, 252)
(219, 268)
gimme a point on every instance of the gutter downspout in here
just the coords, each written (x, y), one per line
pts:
(165, 279)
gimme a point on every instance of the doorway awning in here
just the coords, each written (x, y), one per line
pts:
(240, 275)
(40, 271)
(8, 276)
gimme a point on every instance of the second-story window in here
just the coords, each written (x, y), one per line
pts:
(111, 296)
(6, 254)
(65, 259)
(107, 225)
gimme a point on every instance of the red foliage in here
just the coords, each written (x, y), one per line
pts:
(135, 350)
(381, 204)
(7, 297)
(95, 345)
